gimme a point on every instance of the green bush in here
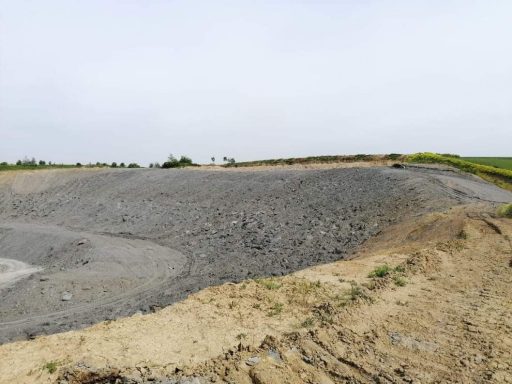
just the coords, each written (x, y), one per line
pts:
(380, 271)
(173, 162)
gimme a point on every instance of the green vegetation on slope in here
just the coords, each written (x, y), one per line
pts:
(505, 211)
(498, 176)
(498, 162)
(317, 160)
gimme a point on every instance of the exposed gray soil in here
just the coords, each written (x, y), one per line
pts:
(110, 243)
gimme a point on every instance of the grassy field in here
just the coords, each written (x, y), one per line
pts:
(13, 167)
(498, 162)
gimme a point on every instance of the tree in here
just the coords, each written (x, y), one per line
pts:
(213, 159)
(113, 165)
(42, 162)
(173, 162)
(122, 165)
(18, 162)
(185, 160)
(78, 165)
(133, 165)
(225, 158)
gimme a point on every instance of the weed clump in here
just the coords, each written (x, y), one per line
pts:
(380, 271)
(400, 281)
(270, 284)
(308, 323)
(51, 367)
(276, 309)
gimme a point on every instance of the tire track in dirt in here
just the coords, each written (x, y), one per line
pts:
(154, 266)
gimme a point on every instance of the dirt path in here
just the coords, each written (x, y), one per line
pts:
(442, 313)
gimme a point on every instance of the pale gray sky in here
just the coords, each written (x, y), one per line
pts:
(102, 80)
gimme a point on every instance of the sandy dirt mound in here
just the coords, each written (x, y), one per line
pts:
(440, 312)
(111, 243)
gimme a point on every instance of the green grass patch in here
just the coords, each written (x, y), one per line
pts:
(270, 284)
(51, 367)
(380, 271)
(499, 176)
(498, 162)
(13, 167)
(276, 309)
(505, 211)
(308, 323)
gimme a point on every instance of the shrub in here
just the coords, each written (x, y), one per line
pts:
(78, 165)
(394, 156)
(133, 165)
(449, 155)
(380, 271)
(185, 160)
(173, 162)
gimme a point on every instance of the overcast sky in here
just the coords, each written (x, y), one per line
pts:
(102, 80)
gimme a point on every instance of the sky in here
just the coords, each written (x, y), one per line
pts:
(133, 81)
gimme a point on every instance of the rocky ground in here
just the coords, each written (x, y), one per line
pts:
(441, 312)
(112, 243)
